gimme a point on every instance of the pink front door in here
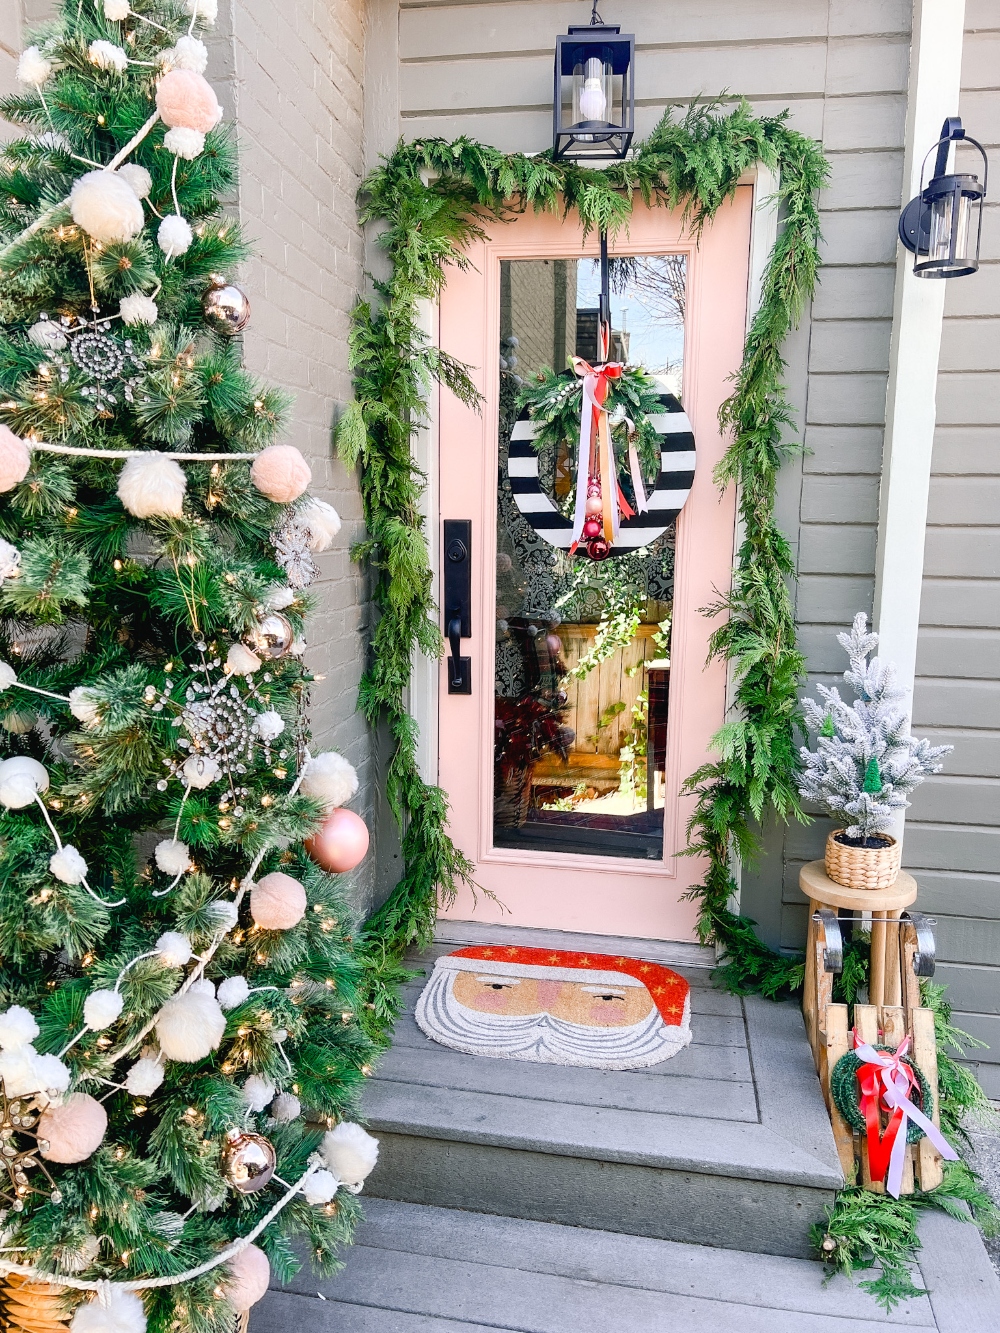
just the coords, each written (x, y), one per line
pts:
(593, 846)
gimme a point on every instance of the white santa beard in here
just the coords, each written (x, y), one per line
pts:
(543, 1038)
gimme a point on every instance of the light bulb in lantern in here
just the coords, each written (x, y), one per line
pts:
(593, 103)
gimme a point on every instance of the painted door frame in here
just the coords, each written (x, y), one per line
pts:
(657, 229)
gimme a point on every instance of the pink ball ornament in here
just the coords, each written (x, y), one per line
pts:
(187, 100)
(594, 504)
(73, 1130)
(341, 843)
(15, 459)
(249, 1275)
(277, 902)
(281, 473)
(592, 528)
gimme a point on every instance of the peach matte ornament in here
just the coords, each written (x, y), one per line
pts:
(187, 99)
(73, 1130)
(249, 1274)
(281, 473)
(277, 902)
(341, 843)
(15, 459)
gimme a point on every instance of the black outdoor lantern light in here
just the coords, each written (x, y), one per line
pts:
(593, 104)
(942, 226)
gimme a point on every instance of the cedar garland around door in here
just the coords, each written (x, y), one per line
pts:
(433, 197)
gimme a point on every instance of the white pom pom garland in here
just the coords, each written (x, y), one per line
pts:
(268, 725)
(116, 10)
(320, 1187)
(152, 486)
(138, 309)
(123, 1314)
(183, 142)
(101, 1008)
(174, 235)
(190, 1026)
(10, 562)
(321, 522)
(224, 915)
(137, 178)
(33, 69)
(21, 780)
(200, 771)
(206, 10)
(106, 207)
(17, 1028)
(68, 865)
(240, 661)
(257, 1092)
(144, 1077)
(329, 778)
(174, 948)
(285, 1108)
(51, 1074)
(8, 676)
(233, 991)
(172, 856)
(47, 334)
(106, 55)
(189, 53)
(84, 706)
(350, 1153)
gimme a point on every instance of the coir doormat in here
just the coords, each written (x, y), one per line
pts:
(556, 1007)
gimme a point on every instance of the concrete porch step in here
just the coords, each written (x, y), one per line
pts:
(418, 1269)
(727, 1144)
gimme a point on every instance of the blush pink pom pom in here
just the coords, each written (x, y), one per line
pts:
(186, 99)
(73, 1130)
(15, 459)
(249, 1274)
(277, 902)
(281, 473)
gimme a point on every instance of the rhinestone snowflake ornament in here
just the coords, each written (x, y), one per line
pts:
(18, 1117)
(291, 551)
(217, 718)
(114, 366)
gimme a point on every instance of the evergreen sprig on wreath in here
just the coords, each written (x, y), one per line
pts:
(433, 198)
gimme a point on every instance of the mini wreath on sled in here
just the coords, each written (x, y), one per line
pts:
(846, 1090)
(598, 408)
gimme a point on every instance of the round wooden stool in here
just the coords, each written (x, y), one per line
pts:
(885, 984)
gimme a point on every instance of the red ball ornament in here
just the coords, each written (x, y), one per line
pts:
(592, 528)
(598, 549)
(341, 843)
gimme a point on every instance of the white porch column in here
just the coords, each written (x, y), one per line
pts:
(918, 313)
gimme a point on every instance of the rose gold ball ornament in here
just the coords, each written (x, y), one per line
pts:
(226, 307)
(341, 843)
(594, 505)
(247, 1160)
(272, 636)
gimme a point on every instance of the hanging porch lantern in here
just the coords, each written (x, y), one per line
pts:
(942, 226)
(593, 105)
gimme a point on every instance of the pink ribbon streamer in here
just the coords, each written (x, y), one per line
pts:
(893, 1084)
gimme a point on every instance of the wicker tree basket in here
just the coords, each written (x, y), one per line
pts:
(34, 1307)
(862, 867)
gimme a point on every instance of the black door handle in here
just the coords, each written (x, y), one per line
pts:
(458, 601)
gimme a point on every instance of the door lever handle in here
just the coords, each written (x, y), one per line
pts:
(455, 661)
(457, 601)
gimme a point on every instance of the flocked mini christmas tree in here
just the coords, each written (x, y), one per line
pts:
(176, 973)
(866, 762)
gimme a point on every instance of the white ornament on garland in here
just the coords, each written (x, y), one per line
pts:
(124, 1313)
(47, 334)
(285, 1108)
(206, 10)
(152, 486)
(257, 1092)
(233, 991)
(138, 309)
(330, 778)
(190, 1026)
(200, 771)
(174, 948)
(144, 1077)
(68, 865)
(84, 705)
(350, 1153)
(320, 1188)
(187, 53)
(116, 10)
(184, 142)
(172, 856)
(8, 676)
(174, 235)
(224, 914)
(202, 987)
(10, 567)
(321, 522)
(278, 597)
(102, 1008)
(137, 178)
(17, 1028)
(21, 781)
(240, 661)
(106, 55)
(269, 725)
(33, 68)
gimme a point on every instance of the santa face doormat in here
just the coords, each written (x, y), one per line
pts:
(555, 1007)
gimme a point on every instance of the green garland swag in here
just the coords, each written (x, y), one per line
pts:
(844, 1091)
(432, 198)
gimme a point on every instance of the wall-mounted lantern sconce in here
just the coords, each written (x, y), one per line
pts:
(593, 104)
(942, 226)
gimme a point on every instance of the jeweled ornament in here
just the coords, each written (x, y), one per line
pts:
(272, 636)
(226, 307)
(247, 1160)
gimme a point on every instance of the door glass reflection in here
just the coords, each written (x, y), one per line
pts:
(583, 646)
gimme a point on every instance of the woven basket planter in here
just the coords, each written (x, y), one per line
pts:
(862, 867)
(33, 1307)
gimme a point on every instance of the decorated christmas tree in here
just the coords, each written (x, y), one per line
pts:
(866, 762)
(179, 1055)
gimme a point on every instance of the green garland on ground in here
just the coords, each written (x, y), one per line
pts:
(432, 198)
